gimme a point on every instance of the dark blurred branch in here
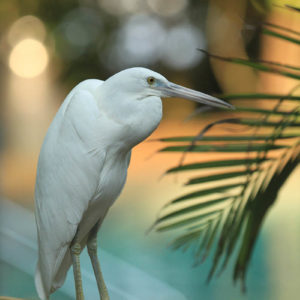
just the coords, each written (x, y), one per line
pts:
(225, 23)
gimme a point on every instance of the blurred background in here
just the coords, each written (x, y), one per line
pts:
(47, 47)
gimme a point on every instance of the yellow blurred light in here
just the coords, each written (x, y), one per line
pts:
(29, 58)
(167, 7)
(26, 27)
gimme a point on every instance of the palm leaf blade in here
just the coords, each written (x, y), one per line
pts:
(259, 96)
(205, 192)
(218, 164)
(186, 221)
(226, 138)
(281, 36)
(217, 177)
(224, 148)
(192, 208)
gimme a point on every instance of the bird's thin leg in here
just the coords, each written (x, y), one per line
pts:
(75, 253)
(92, 250)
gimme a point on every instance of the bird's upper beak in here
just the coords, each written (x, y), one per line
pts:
(178, 91)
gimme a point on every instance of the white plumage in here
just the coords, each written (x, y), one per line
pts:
(83, 162)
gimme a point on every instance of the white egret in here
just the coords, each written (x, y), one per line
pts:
(83, 165)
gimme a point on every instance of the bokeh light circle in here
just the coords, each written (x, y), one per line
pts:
(29, 58)
(138, 42)
(26, 27)
(180, 47)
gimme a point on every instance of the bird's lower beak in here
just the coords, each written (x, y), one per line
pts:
(178, 91)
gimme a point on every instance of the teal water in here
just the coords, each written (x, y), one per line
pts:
(176, 268)
(274, 271)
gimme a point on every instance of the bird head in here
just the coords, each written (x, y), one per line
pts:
(143, 83)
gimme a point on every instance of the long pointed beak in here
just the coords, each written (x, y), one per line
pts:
(175, 90)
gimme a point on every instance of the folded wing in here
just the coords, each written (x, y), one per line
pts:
(69, 167)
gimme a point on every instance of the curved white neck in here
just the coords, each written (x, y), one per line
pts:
(137, 117)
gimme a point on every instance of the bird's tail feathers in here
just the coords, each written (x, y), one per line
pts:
(61, 273)
(43, 294)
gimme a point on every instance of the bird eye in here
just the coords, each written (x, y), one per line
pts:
(150, 80)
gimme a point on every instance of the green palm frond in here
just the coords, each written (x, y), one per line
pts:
(233, 193)
(297, 9)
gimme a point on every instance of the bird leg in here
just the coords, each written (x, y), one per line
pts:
(75, 253)
(92, 250)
